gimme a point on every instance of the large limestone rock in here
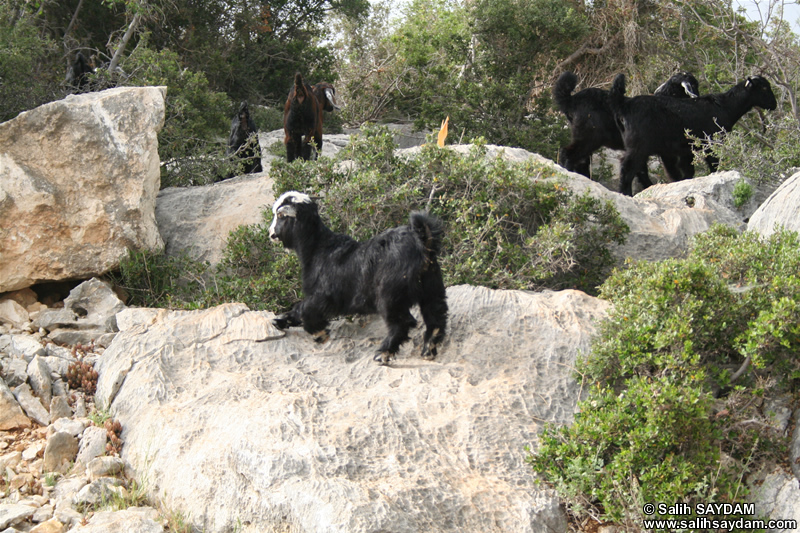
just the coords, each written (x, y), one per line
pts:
(241, 426)
(780, 209)
(78, 185)
(198, 220)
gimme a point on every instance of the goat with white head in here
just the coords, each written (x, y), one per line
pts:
(387, 275)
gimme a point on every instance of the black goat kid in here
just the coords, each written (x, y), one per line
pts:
(656, 125)
(243, 140)
(592, 123)
(387, 274)
(302, 121)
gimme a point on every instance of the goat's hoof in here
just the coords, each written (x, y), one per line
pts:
(321, 336)
(384, 358)
(429, 351)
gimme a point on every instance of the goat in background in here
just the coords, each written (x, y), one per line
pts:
(302, 121)
(656, 125)
(591, 121)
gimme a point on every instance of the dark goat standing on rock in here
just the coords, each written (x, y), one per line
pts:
(78, 73)
(387, 274)
(243, 140)
(591, 121)
(302, 121)
(656, 125)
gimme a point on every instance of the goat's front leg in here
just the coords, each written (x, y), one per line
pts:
(288, 320)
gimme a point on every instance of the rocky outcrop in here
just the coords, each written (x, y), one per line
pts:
(239, 423)
(78, 184)
(198, 220)
(782, 208)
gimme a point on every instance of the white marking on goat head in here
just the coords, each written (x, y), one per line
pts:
(285, 207)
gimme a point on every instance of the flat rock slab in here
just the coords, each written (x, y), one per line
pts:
(240, 426)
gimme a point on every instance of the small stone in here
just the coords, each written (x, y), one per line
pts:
(31, 405)
(51, 526)
(15, 371)
(97, 491)
(39, 378)
(26, 347)
(93, 444)
(42, 514)
(67, 425)
(33, 451)
(11, 413)
(12, 514)
(60, 452)
(13, 313)
(104, 466)
(59, 408)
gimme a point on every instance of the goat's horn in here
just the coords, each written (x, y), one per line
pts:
(331, 96)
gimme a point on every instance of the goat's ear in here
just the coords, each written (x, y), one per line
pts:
(286, 211)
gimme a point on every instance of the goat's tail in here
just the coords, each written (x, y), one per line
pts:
(616, 96)
(562, 91)
(430, 231)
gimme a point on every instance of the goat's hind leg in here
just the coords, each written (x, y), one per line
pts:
(399, 321)
(433, 307)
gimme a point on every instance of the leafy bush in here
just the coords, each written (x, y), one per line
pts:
(193, 140)
(677, 372)
(766, 158)
(30, 65)
(510, 226)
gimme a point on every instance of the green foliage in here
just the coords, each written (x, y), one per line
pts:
(197, 120)
(28, 63)
(742, 193)
(765, 158)
(511, 226)
(664, 405)
(253, 271)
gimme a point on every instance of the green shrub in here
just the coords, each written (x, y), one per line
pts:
(197, 120)
(510, 226)
(688, 352)
(765, 158)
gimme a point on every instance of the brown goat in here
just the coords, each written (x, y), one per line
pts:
(302, 121)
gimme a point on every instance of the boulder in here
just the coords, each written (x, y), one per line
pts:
(88, 315)
(198, 220)
(782, 208)
(236, 422)
(78, 185)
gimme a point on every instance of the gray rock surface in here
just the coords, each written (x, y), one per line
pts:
(78, 183)
(782, 208)
(234, 420)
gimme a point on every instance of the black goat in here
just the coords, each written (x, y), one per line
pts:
(302, 121)
(656, 125)
(243, 140)
(591, 121)
(78, 73)
(387, 274)
(679, 85)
